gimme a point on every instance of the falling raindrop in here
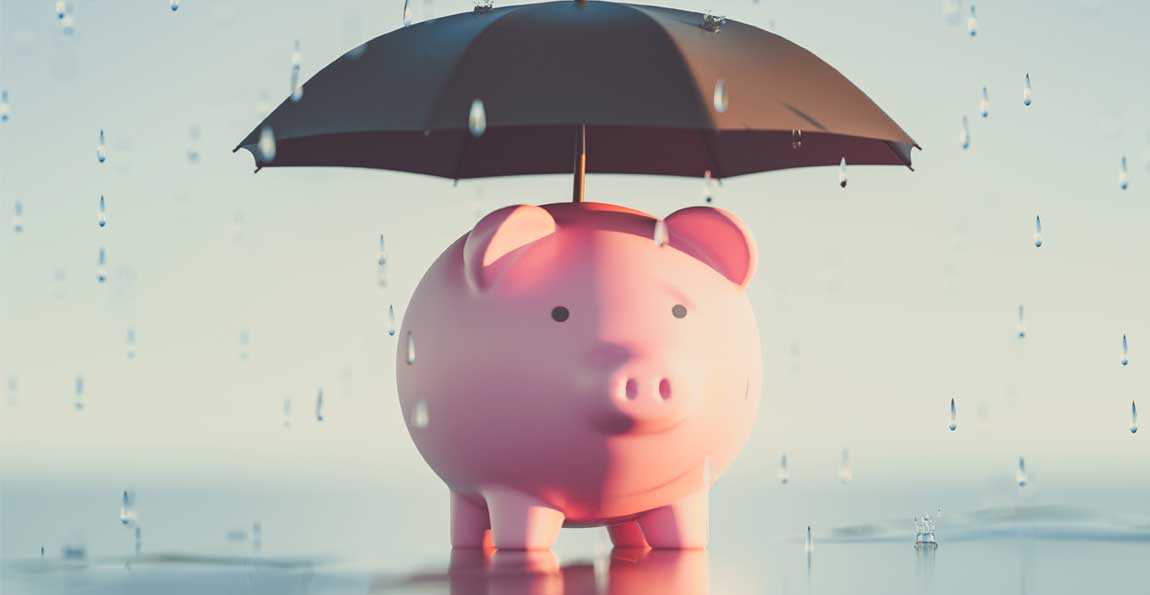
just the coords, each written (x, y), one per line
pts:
(128, 516)
(101, 149)
(102, 213)
(972, 22)
(175, 5)
(130, 348)
(287, 412)
(68, 22)
(18, 217)
(1133, 418)
(410, 348)
(1125, 351)
(964, 134)
(391, 320)
(477, 118)
(1037, 231)
(264, 104)
(809, 542)
(720, 98)
(984, 103)
(407, 17)
(257, 536)
(708, 187)
(660, 233)
(245, 342)
(420, 416)
(78, 393)
(1123, 175)
(267, 144)
(193, 145)
(1021, 331)
(296, 83)
(784, 474)
(846, 473)
(1020, 475)
(381, 264)
(953, 425)
(1027, 93)
(102, 266)
(843, 173)
(319, 405)
(13, 390)
(796, 139)
(61, 9)
(5, 107)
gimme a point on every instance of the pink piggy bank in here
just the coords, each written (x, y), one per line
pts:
(560, 366)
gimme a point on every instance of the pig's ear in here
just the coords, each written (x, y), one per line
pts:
(715, 237)
(498, 235)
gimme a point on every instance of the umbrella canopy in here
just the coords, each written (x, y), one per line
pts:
(633, 85)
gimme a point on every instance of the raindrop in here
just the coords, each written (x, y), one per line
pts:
(410, 348)
(477, 118)
(843, 173)
(18, 217)
(846, 473)
(245, 342)
(407, 18)
(391, 320)
(924, 528)
(61, 9)
(1037, 231)
(661, 236)
(175, 5)
(796, 139)
(420, 416)
(68, 22)
(78, 393)
(102, 213)
(1133, 418)
(984, 103)
(5, 107)
(257, 536)
(130, 347)
(953, 425)
(296, 83)
(809, 543)
(319, 405)
(1021, 331)
(193, 142)
(784, 474)
(13, 389)
(1027, 94)
(972, 22)
(708, 187)
(101, 149)
(1125, 351)
(264, 104)
(1123, 175)
(964, 134)
(1020, 474)
(128, 514)
(267, 144)
(720, 98)
(381, 264)
(102, 266)
(139, 542)
(287, 412)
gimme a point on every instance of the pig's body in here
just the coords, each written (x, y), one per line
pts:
(606, 416)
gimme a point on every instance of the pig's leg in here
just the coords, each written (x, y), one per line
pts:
(682, 525)
(470, 527)
(520, 522)
(627, 534)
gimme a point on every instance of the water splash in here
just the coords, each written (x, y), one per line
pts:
(708, 187)
(964, 134)
(1133, 418)
(130, 344)
(1123, 175)
(972, 22)
(1020, 475)
(18, 217)
(1037, 231)
(784, 473)
(78, 393)
(5, 107)
(477, 118)
(1125, 351)
(102, 213)
(843, 173)
(984, 103)
(846, 473)
(319, 404)
(267, 144)
(102, 266)
(381, 263)
(128, 515)
(410, 348)
(1020, 332)
(101, 148)
(924, 528)
(420, 415)
(1027, 92)
(391, 320)
(953, 425)
(720, 98)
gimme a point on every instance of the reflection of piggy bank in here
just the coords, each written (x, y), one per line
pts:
(558, 366)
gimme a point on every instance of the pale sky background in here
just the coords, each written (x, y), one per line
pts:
(877, 303)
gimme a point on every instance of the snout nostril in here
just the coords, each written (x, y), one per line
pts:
(665, 389)
(632, 388)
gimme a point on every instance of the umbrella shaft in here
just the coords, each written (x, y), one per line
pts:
(580, 168)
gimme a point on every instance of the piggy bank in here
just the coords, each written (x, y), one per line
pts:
(581, 364)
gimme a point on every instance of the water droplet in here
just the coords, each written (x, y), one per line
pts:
(287, 412)
(264, 104)
(18, 217)
(477, 118)
(78, 393)
(720, 98)
(128, 514)
(953, 425)
(102, 266)
(381, 264)
(484, 5)
(296, 82)
(1133, 418)
(924, 528)
(257, 536)
(1021, 330)
(175, 5)
(61, 9)
(102, 213)
(984, 103)
(139, 541)
(846, 473)
(410, 348)
(193, 145)
(713, 22)
(660, 235)
(843, 173)
(964, 134)
(391, 320)
(708, 187)
(1027, 93)
(809, 542)
(972, 22)
(1037, 231)
(1123, 175)
(130, 347)
(420, 416)
(784, 473)
(245, 342)
(319, 404)
(67, 21)
(267, 144)
(5, 107)
(101, 149)
(1125, 351)
(13, 390)
(796, 139)
(1020, 475)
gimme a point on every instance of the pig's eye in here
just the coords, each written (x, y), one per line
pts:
(679, 311)
(559, 314)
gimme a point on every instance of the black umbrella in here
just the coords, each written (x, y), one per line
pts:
(650, 90)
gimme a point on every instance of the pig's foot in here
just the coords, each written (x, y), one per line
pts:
(520, 522)
(682, 525)
(627, 534)
(470, 527)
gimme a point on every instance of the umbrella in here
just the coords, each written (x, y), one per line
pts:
(575, 87)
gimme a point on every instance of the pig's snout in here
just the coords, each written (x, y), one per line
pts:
(642, 394)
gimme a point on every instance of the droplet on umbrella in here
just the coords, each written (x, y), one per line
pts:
(78, 393)
(1020, 475)
(1027, 93)
(708, 187)
(391, 320)
(484, 5)
(1133, 418)
(410, 348)
(5, 107)
(720, 98)
(128, 508)
(101, 149)
(319, 405)
(972, 22)
(660, 235)
(102, 213)
(846, 473)
(477, 118)
(1037, 231)
(267, 144)
(953, 425)
(1125, 351)
(18, 217)
(1123, 175)
(130, 348)
(964, 134)
(287, 412)
(984, 103)
(796, 139)
(843, 173)
(420, 416)
(784, 473)
(101, 266)
(1021, 331)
